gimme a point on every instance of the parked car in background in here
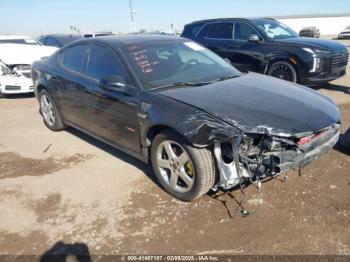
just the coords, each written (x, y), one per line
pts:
(171, 102)
(96, 34)
(58, 40)
(345, 34)
(18, 39)
(269, 47)
(310, 31)
(13, 82)
(163, 32)
(19, 57)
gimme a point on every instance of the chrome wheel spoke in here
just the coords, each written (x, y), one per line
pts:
(173, 180)
(169, 150)
(183, 159)
(46, 101)
(186, 178)
(164, 163)
(51, 115)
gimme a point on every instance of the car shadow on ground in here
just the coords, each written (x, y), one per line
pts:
(116, 153)
(17, 96)
(62, 252)
(334, 87)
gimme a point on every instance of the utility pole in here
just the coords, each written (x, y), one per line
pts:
(132, 16)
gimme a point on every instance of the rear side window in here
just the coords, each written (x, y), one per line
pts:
(221, 31)
(74, 57)
(50, 41)
(103, 63)
(192, 30)
(243, 31)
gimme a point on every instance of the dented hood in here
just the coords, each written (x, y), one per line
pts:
(257, 103)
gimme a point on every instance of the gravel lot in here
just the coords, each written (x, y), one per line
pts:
(67, 191)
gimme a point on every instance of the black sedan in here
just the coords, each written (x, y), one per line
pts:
(171, 102)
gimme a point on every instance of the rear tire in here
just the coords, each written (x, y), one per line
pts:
(49, 112)
(283, 70)
(188, 173)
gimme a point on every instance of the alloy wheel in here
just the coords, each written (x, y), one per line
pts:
(175, 166)
(47, 110)
(283, 71)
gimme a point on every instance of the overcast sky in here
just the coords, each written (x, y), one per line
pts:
(34, 17)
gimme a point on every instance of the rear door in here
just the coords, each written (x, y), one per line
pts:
(111, 114)
(219, 39)
(68, 84)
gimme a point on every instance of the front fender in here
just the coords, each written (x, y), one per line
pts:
(196, 126)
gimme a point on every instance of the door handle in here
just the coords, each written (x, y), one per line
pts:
(93, 93)
(130, 101)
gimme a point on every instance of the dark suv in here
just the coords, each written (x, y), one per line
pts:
(269, 47)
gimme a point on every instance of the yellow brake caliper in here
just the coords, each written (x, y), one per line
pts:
(189, 167)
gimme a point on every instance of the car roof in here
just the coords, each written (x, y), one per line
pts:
(117, 41)
(12, 37)
(227, 20)
(61, 35)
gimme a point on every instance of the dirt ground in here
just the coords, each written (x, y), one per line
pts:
(68, 191)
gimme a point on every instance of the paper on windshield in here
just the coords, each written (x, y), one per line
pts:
(194, 46)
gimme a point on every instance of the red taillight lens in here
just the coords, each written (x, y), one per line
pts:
(306, 140)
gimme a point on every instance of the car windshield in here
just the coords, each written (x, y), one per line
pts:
(4, 70)
(273, 29)
(168, 63)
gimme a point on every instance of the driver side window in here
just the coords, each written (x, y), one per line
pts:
(243, 31)
(104, 63)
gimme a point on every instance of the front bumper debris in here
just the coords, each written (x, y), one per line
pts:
(260, 157)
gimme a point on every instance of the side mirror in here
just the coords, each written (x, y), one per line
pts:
(254, 38)
(116, 83)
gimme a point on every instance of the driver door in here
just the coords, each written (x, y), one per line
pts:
(111, 114)
(247, 55)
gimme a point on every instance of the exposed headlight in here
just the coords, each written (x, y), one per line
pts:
(316, 59)
(309, 50)
(316, 51)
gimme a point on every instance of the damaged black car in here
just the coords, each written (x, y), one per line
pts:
(170, 102)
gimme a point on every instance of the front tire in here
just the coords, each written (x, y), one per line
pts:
(49, 112)
(184, 171)
(283, 70)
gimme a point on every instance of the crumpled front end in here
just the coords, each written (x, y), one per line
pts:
(252, 157)
(13, 82)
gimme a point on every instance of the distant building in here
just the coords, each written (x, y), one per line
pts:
(329, 24)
